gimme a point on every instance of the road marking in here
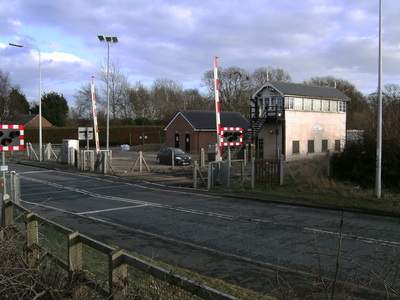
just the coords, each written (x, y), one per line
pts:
(141, 203)
(271, 266)
(366, 240)
(35, 172)
(110, 209)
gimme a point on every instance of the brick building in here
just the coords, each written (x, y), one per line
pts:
(193, 130)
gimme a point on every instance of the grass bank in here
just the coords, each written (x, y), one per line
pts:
(304, 181)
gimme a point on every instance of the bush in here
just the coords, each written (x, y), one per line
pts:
(357, 163)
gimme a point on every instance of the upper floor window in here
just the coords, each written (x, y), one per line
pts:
(342, 106)
(325, 105)
(316, 104)
(289, 103)
(333, 106)
(308, 104)
(275, 101)
(298, 103)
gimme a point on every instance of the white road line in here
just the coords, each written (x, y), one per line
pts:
(141, 203)
(35, 172)
(110, 209)
(273, 267)
(366, 240)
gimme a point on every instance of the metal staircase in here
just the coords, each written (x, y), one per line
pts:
(252, 133)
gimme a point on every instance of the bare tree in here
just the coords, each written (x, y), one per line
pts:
(167, 97)
(237, 85)
(5, 90)
(234, 88)
(118, 87)
(193, 100)
(263, 74)
(83, 102)
(142, 103)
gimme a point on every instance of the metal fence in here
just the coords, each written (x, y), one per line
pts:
(123, 275)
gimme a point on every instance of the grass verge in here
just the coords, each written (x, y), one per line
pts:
(309, 185)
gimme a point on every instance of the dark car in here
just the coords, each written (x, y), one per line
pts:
(164, 156)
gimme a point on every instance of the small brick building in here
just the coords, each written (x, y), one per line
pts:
(193, 130)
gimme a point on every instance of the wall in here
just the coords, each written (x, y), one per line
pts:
(198, 139)
(303, 126)
(118, 135)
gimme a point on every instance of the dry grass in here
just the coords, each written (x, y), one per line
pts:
(306, 180)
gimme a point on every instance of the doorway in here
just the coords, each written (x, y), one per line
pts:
(187, 142)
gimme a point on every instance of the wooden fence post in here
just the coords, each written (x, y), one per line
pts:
(253, 173)
(8, 213)
(75, 258)
(32, 239)
(118, 274)
(281, 170)
(195, 175)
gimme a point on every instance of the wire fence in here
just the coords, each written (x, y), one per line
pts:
(110, 272)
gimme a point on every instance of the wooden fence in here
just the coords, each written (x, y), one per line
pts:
(268, 172)
(122, 270)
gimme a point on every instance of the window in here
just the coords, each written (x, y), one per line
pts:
(342, 106)
(289, 103)
(310, 146)
(337, 145)
(271, 101)
(325, 105)
(275, 102)
(307, 104)
(316, 105)
(296, 147)
(324, 145)
(279, 102)
(333, 106)
(298, 103)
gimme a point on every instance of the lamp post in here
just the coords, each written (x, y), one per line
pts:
(378, 170)
(108, 40)
(40, 96)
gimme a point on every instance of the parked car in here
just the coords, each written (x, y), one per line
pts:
(164, 156)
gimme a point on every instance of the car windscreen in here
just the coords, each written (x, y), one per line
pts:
(178, 151)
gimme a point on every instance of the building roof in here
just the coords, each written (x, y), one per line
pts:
(206, 120)
(22, 119)
(296, 89)
(27, 120)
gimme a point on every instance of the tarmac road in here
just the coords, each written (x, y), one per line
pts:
(239, 240)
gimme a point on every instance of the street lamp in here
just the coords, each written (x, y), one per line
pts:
(108, 40)
(40, 96)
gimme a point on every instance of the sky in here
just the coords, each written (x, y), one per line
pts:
(178, 39)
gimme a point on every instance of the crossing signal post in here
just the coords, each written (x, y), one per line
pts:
(231, 136)
(12, 137)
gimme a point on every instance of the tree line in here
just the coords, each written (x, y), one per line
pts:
(136, 104)
(14, 103)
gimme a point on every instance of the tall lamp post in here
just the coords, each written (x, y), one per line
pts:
(40, 96)
(108, 40)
